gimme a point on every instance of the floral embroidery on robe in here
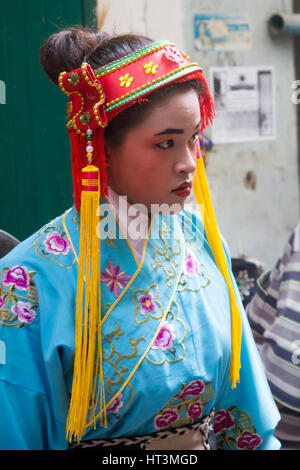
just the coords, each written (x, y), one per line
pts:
(186, 407)
(234, 430)
(18, 296)
(52, 244)
(114, 279)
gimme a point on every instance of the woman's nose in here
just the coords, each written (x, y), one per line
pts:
(187, 162)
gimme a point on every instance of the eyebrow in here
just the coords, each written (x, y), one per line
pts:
(175, 131)
(170, 131)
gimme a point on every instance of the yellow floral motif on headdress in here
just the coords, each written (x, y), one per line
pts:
(150, 68)
(126, 80)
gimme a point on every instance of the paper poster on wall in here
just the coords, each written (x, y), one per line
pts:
(244, 103)
(222, 32)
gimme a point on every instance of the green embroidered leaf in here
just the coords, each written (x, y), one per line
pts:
(170, 315)
(232, 440)
(193, 400)
(31, 273)
(189, 421)
(207, 385)
(181, 407)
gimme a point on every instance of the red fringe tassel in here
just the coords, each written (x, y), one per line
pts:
(79, 161)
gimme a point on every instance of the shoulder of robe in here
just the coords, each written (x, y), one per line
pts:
(47, 252)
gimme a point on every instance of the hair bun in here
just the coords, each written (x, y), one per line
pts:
(65, 50)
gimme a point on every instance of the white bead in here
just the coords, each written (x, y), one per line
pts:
(89, 148)
(89, 131)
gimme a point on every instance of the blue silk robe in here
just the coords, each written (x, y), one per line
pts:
(166, 340)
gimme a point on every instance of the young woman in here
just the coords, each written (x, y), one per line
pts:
(121, 321)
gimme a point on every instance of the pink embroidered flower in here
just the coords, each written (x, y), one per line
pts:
(24, 311)
(191, 266)
(248, 441)
(1, 301)
(164, 419)
(195, 387)
(55, 243)
(195, 410)
(18, 277)
(146, 303)
(223, 420)
(115, 405)
(165, 337)
(114, 278)
(173, 54)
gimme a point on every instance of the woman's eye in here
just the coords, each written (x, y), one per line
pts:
(193, 139)
(166, 144)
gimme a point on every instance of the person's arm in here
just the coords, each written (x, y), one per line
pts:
(275, 310)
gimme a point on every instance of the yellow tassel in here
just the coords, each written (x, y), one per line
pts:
(201, 191)
(88, 379)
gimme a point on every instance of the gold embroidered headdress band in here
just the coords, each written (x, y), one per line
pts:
(95, 98)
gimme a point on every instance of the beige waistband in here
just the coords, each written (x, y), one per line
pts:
(193, 440)
(193, 437)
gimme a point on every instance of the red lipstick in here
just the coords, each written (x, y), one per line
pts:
(183, 190)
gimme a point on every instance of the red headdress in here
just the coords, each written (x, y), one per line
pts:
(96, 97)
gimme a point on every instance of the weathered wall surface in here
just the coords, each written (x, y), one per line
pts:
(160, 19)
(254, 185)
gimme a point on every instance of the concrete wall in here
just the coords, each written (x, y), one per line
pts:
(255, 218)
(159, 19)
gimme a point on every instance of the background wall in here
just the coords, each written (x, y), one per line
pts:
(160, 19)
(256, 216)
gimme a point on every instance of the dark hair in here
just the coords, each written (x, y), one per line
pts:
(67, 49)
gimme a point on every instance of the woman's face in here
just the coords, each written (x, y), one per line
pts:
(156, 162)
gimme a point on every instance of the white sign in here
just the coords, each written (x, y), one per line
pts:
(244, 103)
(222, 32)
